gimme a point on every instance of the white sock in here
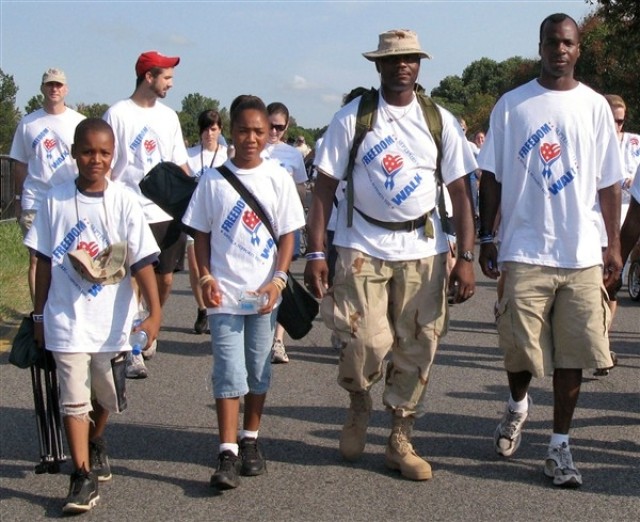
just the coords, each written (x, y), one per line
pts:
(229, 446)
(248, 434)
(557, 439)
(519, 406)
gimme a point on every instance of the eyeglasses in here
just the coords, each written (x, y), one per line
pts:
(620, 122)
(278, 127)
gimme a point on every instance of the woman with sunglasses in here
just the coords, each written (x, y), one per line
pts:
(291, 159)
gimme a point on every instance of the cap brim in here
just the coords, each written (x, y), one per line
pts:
(375, 55)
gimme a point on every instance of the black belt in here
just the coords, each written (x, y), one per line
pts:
(406, 226)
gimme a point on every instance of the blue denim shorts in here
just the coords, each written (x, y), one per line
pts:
(241, 346)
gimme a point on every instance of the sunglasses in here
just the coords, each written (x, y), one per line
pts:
(620, 122)
(279, 128)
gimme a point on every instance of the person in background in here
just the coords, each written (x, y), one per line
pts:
(209, 153)
(237, 259)
(302, 147)
(86, 324)
(293, 162)
(540, 160)
(389, 292)
(41, 150)
(148, 132)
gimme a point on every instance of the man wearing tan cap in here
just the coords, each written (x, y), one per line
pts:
(389, 292)
(148, 132)
(41, 149)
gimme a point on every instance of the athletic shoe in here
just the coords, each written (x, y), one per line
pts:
(151, 351)
(135, 368)
(83, 493)
(99, 459)
(253, 462)
(508, 434)
(603, 372)
(278, 353)
(202, 322)
(227, 475)
(559, 466)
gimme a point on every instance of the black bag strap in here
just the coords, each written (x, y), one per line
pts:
(249, 198)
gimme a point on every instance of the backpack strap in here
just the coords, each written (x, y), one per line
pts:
(365, 121)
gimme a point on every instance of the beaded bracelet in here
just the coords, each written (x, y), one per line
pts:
(205, 279)
(310, 256)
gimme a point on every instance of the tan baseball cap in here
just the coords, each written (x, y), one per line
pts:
(54, 75)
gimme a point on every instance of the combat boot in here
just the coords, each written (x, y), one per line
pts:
(354, 432)
(400, 454)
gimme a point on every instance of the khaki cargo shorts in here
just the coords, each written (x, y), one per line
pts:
(552, 318)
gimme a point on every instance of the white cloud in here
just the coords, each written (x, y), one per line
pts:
(300, 84)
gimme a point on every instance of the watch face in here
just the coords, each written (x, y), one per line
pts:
(468, 256)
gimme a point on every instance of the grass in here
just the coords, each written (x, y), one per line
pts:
(14, 264)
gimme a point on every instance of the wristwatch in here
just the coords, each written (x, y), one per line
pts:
(468, 256)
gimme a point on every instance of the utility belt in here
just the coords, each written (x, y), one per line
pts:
(405, 226)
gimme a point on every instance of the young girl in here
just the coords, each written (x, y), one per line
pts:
(207, 154)
(238, 259)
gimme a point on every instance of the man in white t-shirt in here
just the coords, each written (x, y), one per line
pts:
(148, 132)
(550, 153)
(390, 287)
(42, 150)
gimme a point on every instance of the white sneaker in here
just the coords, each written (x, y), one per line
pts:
(508, 434)
(278, 353)
(559, 466)
(135, 368)
(151, 351)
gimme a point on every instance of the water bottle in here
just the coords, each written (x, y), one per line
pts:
(138, 340)
(252, 302)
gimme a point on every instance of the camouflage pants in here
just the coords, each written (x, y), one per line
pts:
(379, 306)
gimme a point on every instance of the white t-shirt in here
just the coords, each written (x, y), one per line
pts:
(635, 186)
(243, 253)
(630, 148)
(287, 157)
(200, 159)
(145, 136)
(551, 151)
(81, 316)
(393, 177)
(43, 142)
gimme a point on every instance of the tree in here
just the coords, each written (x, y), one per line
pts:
(95, 110)
(34, 103)
(9, 113)
(192, 106)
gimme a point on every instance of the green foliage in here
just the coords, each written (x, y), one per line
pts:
(14, 260)
(9, 113)
(94, 110)
(35, 102)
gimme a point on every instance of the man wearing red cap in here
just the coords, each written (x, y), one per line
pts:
(148, 132)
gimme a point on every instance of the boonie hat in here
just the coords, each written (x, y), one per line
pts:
(397, 42)
(107, 268)
(150, 59)
(54, 75)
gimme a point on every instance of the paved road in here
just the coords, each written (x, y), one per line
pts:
(163, 448)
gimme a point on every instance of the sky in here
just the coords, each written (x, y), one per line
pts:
(306, 54)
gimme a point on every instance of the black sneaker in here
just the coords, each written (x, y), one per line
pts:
(227, 475)
(99, 459)
(83, 492)
(202, 322)
(253, 462)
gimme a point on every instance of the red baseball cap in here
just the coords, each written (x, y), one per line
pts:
(150, 59)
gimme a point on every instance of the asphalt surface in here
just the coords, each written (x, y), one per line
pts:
(163, 448)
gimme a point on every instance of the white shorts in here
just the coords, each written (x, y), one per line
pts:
(84, 377)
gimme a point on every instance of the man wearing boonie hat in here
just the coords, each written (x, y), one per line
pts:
(148, 132)
(41, 149)
(389, 292)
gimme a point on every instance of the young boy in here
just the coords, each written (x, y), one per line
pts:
(84, 322)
